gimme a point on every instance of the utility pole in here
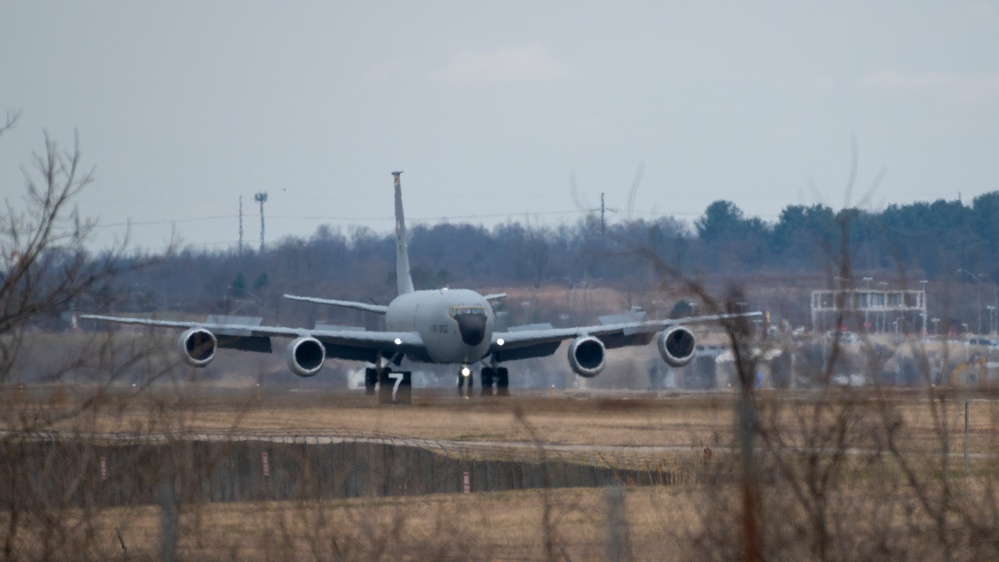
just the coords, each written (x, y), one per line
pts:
(603, 222)
(240, 226)
(603, 215)
(978, 295)
(261, 197)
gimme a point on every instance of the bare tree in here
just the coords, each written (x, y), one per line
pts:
(45, 268)
(46, 273)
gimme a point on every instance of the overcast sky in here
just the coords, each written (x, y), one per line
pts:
(491, 108)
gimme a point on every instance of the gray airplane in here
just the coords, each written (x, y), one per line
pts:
(446, 326)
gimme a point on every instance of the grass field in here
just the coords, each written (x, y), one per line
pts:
(837, 475)
(498, 526)
(599, 419)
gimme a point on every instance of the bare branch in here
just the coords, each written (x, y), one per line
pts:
(11, 120)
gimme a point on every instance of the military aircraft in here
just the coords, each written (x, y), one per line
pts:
(446, 326)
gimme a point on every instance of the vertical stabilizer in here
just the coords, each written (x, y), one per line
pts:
(403, 279)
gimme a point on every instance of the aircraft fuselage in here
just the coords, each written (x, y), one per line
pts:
(455, 324)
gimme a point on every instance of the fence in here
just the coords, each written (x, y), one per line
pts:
(73, 472)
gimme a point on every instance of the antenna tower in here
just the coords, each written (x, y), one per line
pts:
(261, 198)
(603, 215)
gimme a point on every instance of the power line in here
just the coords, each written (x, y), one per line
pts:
(387, 218)
(164, 221)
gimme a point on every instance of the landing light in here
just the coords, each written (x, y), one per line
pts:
(465, 371)
(398, 341)
(500, 341)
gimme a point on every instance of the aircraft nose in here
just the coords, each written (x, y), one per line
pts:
(472, 328)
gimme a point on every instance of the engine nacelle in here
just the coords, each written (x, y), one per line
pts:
(676, 346)
(586, 356)
(305, 356)
(197, 346)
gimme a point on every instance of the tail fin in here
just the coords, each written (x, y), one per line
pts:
(404, 281)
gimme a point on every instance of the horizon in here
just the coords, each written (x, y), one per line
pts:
(251, 235)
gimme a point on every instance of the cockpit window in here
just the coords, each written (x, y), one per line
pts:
(466, 310)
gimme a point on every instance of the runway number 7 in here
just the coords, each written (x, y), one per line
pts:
(398, 380)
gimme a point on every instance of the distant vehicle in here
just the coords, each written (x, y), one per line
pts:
(982, 341)
(448, 326)
(844, 336)
(849, 337)
(854, 379)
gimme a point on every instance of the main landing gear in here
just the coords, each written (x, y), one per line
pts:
(495, 381)
(394, 387)
(499, 376)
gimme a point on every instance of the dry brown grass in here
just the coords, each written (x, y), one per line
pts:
(564, 420)
(639, 420)
(495, 526)
(662, 524)
(695, 433)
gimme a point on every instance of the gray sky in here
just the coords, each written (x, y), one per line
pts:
(491, 107)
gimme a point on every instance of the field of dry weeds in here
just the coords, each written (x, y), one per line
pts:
(559, 418)
(893, 461)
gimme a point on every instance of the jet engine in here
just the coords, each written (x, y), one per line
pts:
(305, 356)
(197, 346)
(676, 346)
(586, 356)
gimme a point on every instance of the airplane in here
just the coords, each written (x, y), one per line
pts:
(443, 326)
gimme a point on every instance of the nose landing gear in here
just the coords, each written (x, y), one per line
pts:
(465, 376)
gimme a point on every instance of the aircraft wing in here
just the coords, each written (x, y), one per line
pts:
(522, 344)
(376, 308)
(357, 345)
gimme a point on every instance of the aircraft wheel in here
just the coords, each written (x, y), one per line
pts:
(502, 381)
(487, 381)
(370, 380)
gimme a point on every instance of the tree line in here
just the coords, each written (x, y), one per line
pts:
(931, 241)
